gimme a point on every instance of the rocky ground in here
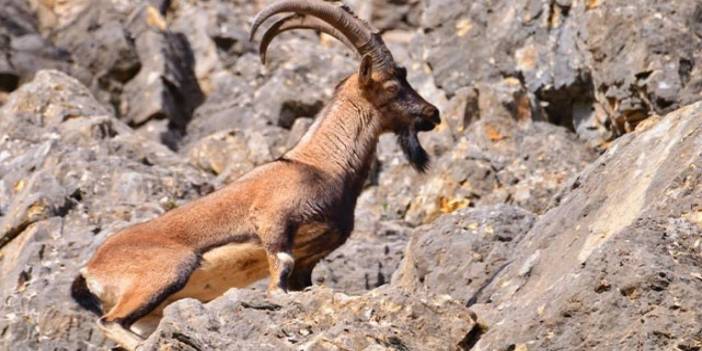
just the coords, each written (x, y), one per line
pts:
(562, 209)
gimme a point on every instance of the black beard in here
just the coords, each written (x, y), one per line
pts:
(413, 150)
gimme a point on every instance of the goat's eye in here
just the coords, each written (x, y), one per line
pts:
(392, 88)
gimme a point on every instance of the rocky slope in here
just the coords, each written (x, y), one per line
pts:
(519, 237)
(619, 256)
(616, 263)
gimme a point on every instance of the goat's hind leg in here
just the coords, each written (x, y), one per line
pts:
(120, 334)
(129, 308)
(142, 296)
(139, 301)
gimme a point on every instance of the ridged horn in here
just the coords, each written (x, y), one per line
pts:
(357, 32)
(298, 22)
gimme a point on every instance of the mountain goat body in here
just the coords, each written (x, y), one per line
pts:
(282, 217)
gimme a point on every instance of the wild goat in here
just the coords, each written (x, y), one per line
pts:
(282, 217)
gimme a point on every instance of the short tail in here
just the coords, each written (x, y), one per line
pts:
(83, 296)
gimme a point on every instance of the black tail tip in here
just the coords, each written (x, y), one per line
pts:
(82, 295)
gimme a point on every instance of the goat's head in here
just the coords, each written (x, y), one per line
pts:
(379, 79)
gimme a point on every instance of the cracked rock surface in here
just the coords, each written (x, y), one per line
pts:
(316, 319)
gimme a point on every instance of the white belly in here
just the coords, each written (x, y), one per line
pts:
(225, 267)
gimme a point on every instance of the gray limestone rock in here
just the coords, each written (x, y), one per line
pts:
(316, 319)
(70, 174)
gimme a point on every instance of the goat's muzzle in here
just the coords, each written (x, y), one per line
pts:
(428, 119)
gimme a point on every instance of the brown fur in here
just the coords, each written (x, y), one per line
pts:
(301, 205)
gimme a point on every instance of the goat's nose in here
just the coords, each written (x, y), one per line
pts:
(432, 113)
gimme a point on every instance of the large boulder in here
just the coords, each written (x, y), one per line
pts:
(616, 265)
(368, 258)
(166, 85)
(316, 319)
(461, 253)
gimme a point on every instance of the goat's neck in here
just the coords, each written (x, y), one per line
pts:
(342, 141)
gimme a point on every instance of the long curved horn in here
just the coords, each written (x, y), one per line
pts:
(358, 32)
(297, 21)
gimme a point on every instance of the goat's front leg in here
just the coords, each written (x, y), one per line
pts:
(280, 265)
(278, 244)
(301, 277)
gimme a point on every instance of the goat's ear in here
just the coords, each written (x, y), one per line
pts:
(365, 71)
